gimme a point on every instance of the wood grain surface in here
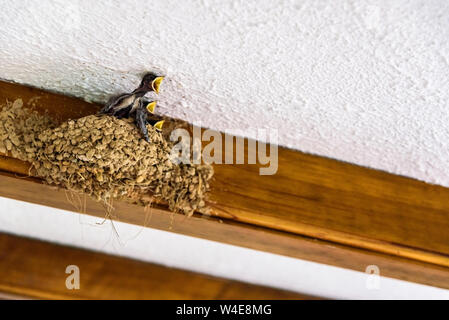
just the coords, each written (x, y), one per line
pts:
(355, 214)
(35, 269)
(231, 232)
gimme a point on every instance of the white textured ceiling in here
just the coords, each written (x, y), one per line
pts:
(360, 81)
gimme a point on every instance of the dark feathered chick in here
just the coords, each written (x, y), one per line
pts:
(142, 116)
(133, 104)
(122, 105)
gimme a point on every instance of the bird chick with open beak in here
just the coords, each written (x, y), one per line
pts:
(129, 104)
(142, 116)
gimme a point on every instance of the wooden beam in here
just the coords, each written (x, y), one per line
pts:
(235, 233)
(36, 269)
(356, 215)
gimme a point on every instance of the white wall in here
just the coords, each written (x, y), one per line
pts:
(361, 81)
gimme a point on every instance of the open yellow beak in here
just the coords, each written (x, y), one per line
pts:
(156, 84)
(158, 125)
(151, 106)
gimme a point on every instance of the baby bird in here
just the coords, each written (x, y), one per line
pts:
(132, 104)
(142, 118)
(123, 104)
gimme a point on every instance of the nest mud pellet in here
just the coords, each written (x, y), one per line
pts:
(102, 156)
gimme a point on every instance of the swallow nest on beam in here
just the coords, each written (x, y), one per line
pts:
(103, 157)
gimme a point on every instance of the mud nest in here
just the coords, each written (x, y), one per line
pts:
(104, 157)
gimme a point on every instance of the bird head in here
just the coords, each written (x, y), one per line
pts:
(151, 82)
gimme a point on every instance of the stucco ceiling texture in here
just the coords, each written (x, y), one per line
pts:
(360, 81)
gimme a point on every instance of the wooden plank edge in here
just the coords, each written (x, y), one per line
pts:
(235, 233)
(20, 167)
(34, 269)
(334, 236)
